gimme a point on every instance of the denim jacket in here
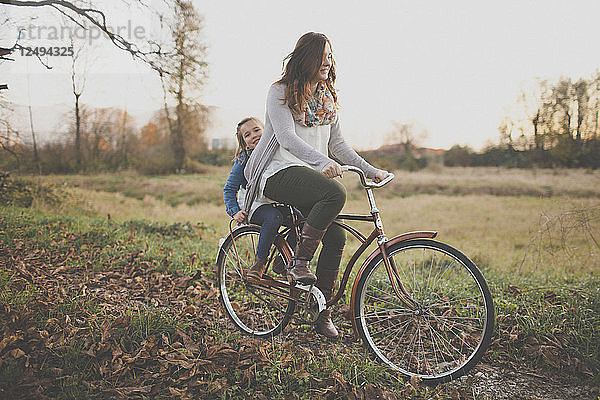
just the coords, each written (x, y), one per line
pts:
(235, 181)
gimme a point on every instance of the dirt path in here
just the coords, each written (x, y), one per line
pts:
(502, 382)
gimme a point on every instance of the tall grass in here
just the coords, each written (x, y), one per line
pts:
(495, 215)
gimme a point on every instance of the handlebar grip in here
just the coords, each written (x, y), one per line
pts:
(363, 178)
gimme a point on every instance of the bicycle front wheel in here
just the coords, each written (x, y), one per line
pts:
(444, 327)
(252, 309)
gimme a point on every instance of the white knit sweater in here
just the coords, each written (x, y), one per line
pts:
(286, 143)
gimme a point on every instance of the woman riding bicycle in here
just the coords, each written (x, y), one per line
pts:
(290, 164)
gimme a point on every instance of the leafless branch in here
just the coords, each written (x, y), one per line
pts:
(68, 16)
(561, 232)
(5, 139)
(98, 19)
(23, 48)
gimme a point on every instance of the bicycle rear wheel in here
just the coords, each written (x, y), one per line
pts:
(448, 328)
(251, 308)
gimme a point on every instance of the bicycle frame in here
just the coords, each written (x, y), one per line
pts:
(383, 243)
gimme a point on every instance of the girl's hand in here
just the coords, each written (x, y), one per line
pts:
(240, 216)
(379, 176)
(332, 170)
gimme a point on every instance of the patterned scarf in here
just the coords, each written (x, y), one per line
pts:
(320, 109)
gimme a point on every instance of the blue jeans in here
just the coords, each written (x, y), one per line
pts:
(270, 218)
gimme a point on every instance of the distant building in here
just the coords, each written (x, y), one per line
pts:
(228, 143)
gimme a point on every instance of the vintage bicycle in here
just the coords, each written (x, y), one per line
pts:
(420, 306)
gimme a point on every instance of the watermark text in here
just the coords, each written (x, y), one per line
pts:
(89, 33)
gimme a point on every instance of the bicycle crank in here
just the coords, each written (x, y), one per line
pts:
(311, 302)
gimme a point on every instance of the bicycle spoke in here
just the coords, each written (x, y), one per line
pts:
(393, 312)
(445, 341)
(403, 325)
(436, 348)
(381, 321)
(234, 264)
(406, 280)
(429, 272)
(447, 302)
(440, 276)
(457, 335)
(251, 308)
(394, 340)
(385, 301)
(444, 328)
(455, 324)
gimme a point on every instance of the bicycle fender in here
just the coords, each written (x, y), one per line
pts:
(373, 255)
(221, 243)
(229, 237)
(315, 292)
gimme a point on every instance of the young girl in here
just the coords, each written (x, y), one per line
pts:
(270, 217)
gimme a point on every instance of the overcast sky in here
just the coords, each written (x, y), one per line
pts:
(451, 67)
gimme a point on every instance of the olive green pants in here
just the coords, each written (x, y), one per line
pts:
(320, 199)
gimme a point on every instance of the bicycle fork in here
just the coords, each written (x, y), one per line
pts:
(397, 284)
(389, 263)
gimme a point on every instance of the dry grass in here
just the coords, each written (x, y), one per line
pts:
(494, 231)
(546, 306)
(492, 214)
(498, 181)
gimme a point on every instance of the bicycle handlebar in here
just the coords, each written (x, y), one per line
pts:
(363, 178)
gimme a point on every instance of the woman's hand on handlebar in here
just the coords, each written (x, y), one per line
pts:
(240, 216)
(332, 169)
(380, 175)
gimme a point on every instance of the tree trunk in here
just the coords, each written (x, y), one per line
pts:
(596, 124)
(36, 156)
(177, 143)
(177, 140)
(77, 134)
(536, 138)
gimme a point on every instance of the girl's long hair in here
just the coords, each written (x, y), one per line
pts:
(301, 66)
(240, 151)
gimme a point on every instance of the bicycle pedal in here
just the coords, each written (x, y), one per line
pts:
(290, 279)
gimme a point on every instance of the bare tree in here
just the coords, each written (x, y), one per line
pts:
(186, 72)
(107, 135)
(565, 237)
(581, 97)
(506, 129)
(86, 13)
(3, 53)
(78, 84)
(407, 134)
(595, 106)
(79, 69)
(530, 119)
(36, 156)
(9, 138)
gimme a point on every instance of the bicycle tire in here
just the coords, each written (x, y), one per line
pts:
(252, 310)
(448, 331)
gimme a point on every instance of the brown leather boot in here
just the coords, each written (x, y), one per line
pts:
(298, 270)
(326, 283)
(279, 266)
(325, 326)
(254, 274)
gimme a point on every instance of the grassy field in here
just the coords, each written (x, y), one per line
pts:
(102, 288)
(528, 222)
